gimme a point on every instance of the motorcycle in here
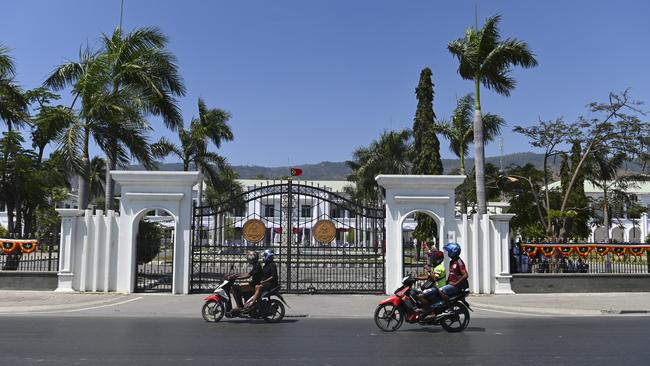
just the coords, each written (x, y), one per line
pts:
(269, 307)
(391, 313)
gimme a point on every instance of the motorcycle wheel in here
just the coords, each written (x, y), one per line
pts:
(275, 311)
(385, 314)
(458, 320)
(212, 311)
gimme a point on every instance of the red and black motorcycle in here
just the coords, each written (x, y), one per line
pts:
(269, 307)
(391, 313)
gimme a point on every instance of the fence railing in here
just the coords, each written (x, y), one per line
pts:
(30, 253)
(580, 258)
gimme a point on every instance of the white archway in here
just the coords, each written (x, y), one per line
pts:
(142, 192)
(485, 240)
(406, 194)
(98, 252)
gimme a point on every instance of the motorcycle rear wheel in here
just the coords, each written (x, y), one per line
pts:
(385, 314)
(212, 311)
(275, 311)
(458, 320)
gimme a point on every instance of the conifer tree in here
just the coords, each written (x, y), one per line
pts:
(426, 148)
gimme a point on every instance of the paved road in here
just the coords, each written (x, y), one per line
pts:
(64, 340)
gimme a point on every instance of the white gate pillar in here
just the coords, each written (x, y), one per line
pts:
(142, 191)
(66, 258)
(405, 194)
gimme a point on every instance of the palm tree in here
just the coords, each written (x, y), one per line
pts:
(139, 65)
(388, 155)
(210, 126)
(460, 132)
(131, 76)
(486, 59)
(96, 179)
(13, 104)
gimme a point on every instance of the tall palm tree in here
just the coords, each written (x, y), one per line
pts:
(139, 65)
(486, 59)
(388, 155)
(131, 76)
(13, 104)
(210, 126)
(460, 132)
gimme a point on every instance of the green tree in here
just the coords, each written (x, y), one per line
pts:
(426, 148)
(387, 155)
(210, 126)
(486, 59)
(13, 104)
(523, 185)
(460, 133)
(139, 66)
(129, 77)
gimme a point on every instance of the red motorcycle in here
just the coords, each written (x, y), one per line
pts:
(391, 313)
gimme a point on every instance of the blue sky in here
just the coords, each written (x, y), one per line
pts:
(310, 81)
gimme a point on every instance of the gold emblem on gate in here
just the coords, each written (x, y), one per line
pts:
(254, 230)
(324, 231)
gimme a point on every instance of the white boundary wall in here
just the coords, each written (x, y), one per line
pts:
(485, 240)
(98, 252)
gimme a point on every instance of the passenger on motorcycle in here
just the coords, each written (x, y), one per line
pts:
(435, 279)
(255, 275)
(269, 278)
(457, 280)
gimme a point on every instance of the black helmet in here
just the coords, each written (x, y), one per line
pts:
(252, 257)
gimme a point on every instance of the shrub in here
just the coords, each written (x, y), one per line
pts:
(148, 241)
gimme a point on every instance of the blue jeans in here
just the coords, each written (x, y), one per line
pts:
(431, 295)
(450, 290)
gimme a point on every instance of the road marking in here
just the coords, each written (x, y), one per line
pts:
(82, 309)
(510, 312)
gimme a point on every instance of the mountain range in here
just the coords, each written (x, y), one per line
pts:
(328, 170)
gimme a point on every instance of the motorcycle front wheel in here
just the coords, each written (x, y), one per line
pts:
(212, 311)
(389, 317)
(275, 311)
(458, 319)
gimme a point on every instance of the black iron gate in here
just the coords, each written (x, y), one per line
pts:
(324, 242)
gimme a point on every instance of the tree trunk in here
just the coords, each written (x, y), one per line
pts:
(479, 161)
(463, 194)
(109, 196)
(83, 187)
(606, 214)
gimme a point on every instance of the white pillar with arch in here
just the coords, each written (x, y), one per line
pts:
(98, 250)
(485, 240)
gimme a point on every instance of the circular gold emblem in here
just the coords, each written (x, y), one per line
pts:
(254, 230)
(324, 231)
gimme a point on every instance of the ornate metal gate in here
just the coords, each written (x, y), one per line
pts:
(324, 242)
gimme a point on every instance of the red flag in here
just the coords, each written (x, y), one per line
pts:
(296, 172)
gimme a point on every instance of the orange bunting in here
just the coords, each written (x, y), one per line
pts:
(583, 250)
(603, 250)
(636, 251)
(619, 251)
(547, 251)
(9, 246)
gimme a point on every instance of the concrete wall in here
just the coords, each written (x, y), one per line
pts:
(530, 283)
(19, 280)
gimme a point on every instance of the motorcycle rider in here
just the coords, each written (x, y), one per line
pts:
(457, 279)
(437, 276)
(269, 275)
(255, 275)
